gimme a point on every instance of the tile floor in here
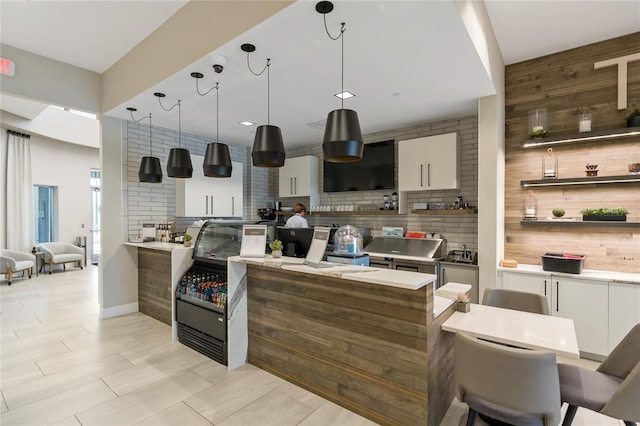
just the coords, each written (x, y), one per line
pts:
(62, 365)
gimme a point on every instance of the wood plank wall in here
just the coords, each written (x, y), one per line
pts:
(562, 83)
(154, 284)
(363, 346)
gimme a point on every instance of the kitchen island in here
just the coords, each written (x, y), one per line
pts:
(364, 338)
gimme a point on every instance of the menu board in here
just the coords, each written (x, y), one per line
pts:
(318, 246)
(254, 241)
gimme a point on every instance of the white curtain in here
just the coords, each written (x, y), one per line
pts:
(20, 233)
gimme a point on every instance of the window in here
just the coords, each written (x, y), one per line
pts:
(94, 181)
(45, 208)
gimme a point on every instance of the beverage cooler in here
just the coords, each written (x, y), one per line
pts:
(201, 294)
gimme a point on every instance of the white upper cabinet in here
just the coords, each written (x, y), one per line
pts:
(299, 177)
(429, 163)
(203, 196)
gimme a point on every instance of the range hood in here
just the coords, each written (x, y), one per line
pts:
(418, 247)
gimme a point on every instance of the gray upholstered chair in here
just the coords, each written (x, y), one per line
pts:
(517, 300)
(613, 389)
(61, 253)
(15, 261)
(512, 385)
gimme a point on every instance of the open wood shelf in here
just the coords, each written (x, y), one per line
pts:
(445, 212)
(599, 135)
(581, 181)
(580, 223)
(359, 213)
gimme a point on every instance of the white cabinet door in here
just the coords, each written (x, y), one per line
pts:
(442, 171)
(285, 178)
(226, 194)
(624, 310)
(411, 164)
(191, 194)
(299, 177)
(531, 283)
(587, 304)
(429, 163)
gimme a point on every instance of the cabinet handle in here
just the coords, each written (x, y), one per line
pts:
(295, 185)
(421, 174)
(206, 204)
(428, 174)
(212, 205)
(291, 186)
(545, 287)
(557, 296)
(233, 205)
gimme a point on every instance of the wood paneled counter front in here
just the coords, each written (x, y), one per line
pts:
(372, 347)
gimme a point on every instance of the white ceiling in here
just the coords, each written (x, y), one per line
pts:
(406, 61)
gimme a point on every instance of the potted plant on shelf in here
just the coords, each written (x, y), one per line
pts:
(633, 118)
(539, 134)
(187, 240)
(276, 248)
(605, 214)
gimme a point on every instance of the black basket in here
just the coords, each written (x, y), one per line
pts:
(563, 262)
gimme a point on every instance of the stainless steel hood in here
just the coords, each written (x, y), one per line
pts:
(416, 247)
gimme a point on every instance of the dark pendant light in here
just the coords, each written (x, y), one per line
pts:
(343, 142)
(217, 161)
(268, 147)
(150, 169)
(179, 162)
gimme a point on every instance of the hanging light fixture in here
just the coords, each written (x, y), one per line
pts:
(342, 141)
(217, 161)
(150, 168)
(179, 162)
(268, 147)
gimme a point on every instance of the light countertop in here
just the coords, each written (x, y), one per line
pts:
(522, 329)
(588, 274)
(157, 245)
(388, 277)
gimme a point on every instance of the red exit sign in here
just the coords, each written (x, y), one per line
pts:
(7, 67)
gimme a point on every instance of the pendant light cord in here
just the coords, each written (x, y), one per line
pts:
(179, 117)
(207, 92)
(217, 111)
(339, 36)
(139, 120)
(266, 67)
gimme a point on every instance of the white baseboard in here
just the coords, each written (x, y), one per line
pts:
(119, 310)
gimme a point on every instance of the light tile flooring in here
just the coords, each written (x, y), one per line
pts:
(62, 365)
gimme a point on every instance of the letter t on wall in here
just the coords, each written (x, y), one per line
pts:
(621, 62)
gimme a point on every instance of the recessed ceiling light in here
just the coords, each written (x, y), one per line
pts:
(344, 95)
(246, 123)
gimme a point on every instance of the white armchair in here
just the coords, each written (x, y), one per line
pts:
(61, 253)
(16, 261)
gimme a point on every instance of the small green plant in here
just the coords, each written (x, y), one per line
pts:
(539, 134)
(632, 113)
(187, 237)
(558, 212)
(605, 211)
(276, 245)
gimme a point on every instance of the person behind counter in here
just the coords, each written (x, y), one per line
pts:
(298, 220)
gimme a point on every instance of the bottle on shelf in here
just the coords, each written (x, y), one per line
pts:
(530, 207)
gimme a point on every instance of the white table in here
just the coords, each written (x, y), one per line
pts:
(523, 329)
